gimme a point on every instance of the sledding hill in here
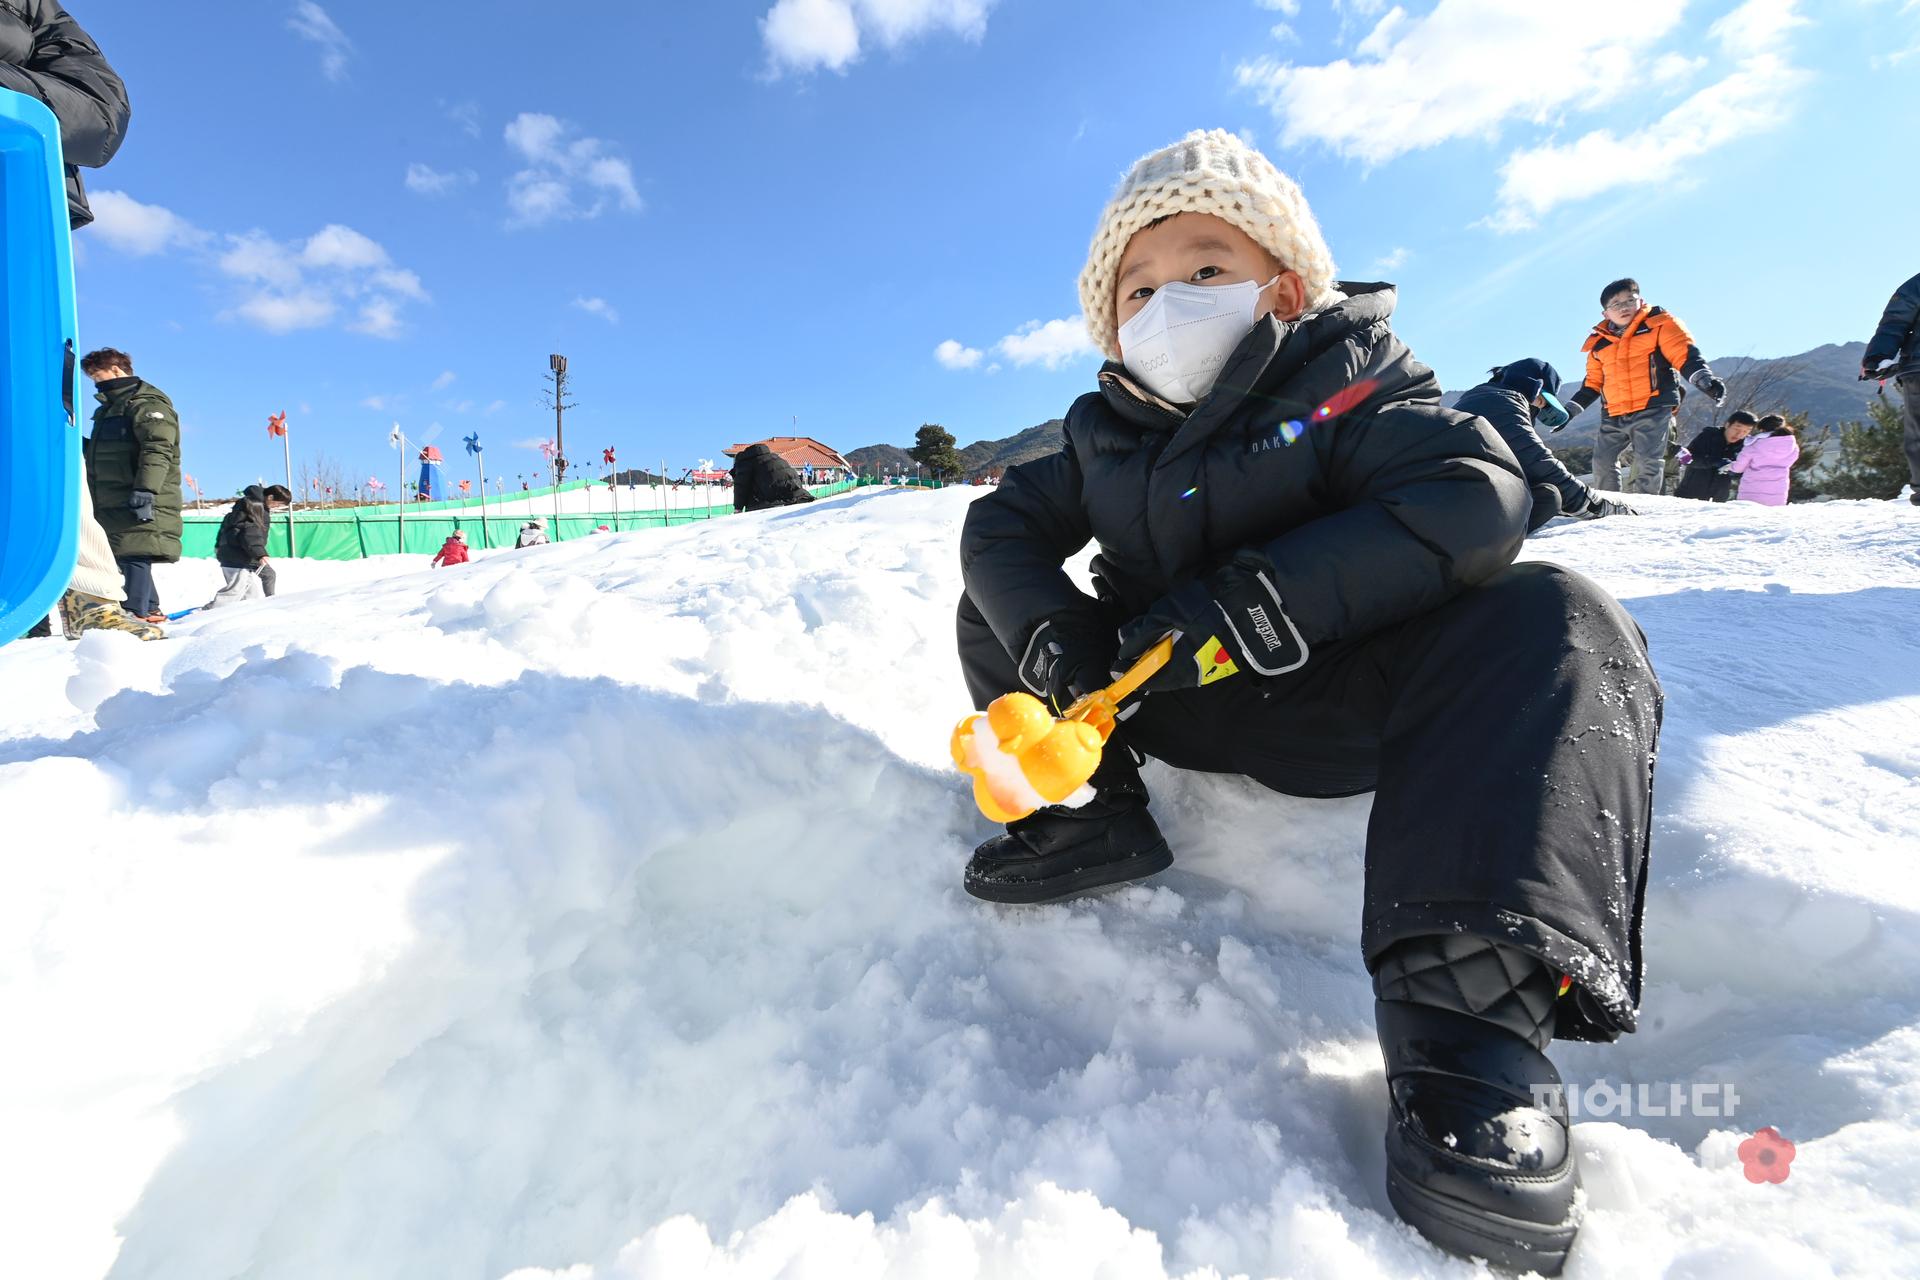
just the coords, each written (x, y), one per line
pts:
(579, 908)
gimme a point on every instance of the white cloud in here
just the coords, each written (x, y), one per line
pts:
(285, 285)
(598, 307)
(1752, 98)
(954, 355)
(1757, 27)
(464, 114)
(1462, 70)
(1393, 259)
(494, 407)
(140, 229)
(378, 404)
(565, 177)
(379, 317)
(310, 22)
(285, 312)
(1053, 344)
(813, 35)
(306, 284)
(445, 380)
(425, 180)
(255, 256)
(337, 246)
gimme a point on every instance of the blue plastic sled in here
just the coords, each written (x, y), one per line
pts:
(39, 443)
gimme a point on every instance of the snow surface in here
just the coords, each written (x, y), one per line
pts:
(593, 911)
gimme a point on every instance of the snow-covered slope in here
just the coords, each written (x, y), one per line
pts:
(593, 911)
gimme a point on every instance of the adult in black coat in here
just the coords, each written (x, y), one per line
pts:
(762, 479)
(1709, 456)
(1894, 351)
(1516, 400)
(45, 54)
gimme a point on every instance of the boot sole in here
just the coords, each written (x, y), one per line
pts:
(1074, 883)
(1508, 1244)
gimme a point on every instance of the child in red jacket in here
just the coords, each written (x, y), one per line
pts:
(453, 550)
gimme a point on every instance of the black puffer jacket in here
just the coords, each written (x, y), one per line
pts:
(1711, 449)
(242, 540)
(762, 479)
(1898, 337)
(1382, 509)
(45, 54)
(1509, 412)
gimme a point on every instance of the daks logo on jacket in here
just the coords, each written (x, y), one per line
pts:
(1279, 436)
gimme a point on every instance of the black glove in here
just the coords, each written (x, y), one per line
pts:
(1716, 389)
(1598, 506)
(1574, 410)
(1065, 660)
(1232, 620)
(141, 504)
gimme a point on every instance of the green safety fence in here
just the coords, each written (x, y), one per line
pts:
(352, 533)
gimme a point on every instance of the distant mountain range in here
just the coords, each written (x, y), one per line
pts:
(980, 456)
(1823, 383)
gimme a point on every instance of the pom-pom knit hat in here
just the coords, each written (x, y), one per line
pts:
(1208, 171)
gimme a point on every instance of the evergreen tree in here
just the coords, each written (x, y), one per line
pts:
(1577, 458)
(1803, 482)
(933, 449)
(1871, 462)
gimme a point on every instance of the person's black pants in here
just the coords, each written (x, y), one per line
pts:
(1909, 385)
(1708, 484)
(1508, 737)
(142, 599)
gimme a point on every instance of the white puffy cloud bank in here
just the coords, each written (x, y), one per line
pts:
(1490, 69)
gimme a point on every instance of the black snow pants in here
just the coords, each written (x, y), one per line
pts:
(1708, 484)
(1508, 736)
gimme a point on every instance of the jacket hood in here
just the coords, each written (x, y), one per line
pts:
(1531, 369)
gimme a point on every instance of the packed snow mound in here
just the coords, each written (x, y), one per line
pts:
(593, 911)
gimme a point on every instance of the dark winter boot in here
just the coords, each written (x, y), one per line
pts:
(1478, 1155)
(1057, 852)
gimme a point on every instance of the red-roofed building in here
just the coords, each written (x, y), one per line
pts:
(800, 452)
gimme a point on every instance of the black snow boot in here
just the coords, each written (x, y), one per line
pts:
(1478, 1154)
(1057, 852)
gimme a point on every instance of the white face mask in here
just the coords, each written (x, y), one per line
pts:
(1177, 343)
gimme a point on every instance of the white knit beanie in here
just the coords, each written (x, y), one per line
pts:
(1208, 171)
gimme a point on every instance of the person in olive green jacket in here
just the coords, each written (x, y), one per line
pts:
(133, 470)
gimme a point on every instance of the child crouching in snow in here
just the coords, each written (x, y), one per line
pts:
(1272, 481)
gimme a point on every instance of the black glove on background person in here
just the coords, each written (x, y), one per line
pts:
(1232, 620)
(1598, 506)
(141, 504)
(1065, 660)
(1716, 389)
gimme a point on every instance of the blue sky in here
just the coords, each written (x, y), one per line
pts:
(849, 217)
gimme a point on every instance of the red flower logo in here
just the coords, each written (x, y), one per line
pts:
(1766, 1156)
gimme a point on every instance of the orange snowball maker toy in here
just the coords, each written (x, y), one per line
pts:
(1022, 758)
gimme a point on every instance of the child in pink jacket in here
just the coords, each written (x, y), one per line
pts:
(1764, 466)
